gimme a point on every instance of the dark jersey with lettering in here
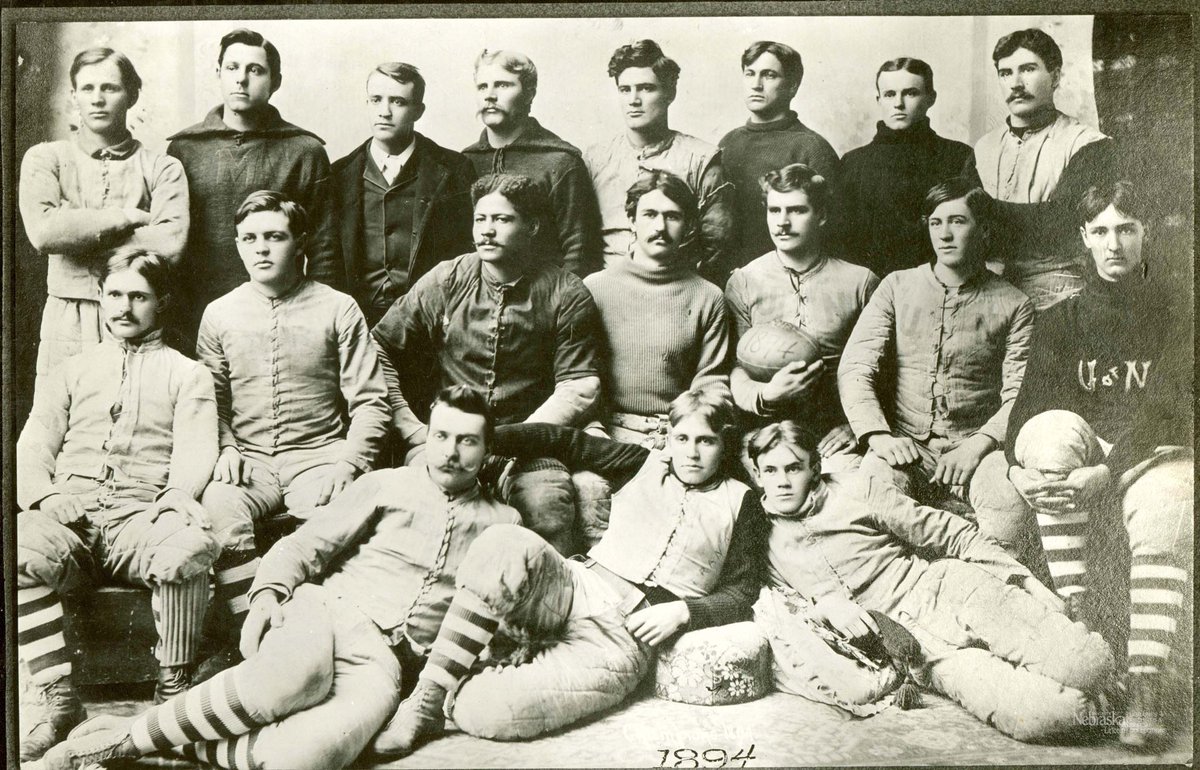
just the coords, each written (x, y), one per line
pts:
(1120, 356)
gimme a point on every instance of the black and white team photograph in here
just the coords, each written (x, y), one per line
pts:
(651, 385)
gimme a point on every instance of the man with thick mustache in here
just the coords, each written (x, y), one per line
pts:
(514, 142)
(518, 329)
(340, 611)
(1037, 166)
(648, 362)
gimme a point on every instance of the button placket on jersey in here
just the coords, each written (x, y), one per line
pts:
(431, 576)
(658, 563)
(495, 333)
(276, 405)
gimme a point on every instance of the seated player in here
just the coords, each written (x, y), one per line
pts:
(664, 326)
(119, 445)
(516, 327)
(358, 587)
(956, 337)
(991, 637)
(674, 558)
(801, 283)
(649, 362)
(300, 393)
(1103, 429)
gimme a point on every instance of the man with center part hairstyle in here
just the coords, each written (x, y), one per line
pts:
(514, 142)
(957, 336)
(340, 610)
(648, 362)
(119, 445)
(801, 282)
(773, 137)
(1038, 165)
(241, 146)
(300, 392)
(402, 203)
(675, 557)
(647, 84)
(519, 329)
(1103, 441)
(990, 636)
(876, 211)
(99, 190)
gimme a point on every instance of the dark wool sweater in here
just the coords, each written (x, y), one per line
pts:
(875, 219)
(748, 152)
(223, 166)
(558, 166)
(743, 570)
(1120, 356)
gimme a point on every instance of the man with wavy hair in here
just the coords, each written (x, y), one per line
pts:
(647, 83)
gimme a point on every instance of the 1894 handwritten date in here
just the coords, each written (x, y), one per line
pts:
(706, 758)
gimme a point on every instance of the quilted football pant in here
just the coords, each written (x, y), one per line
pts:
(585, 662)
(1000, 653)
(320, 686)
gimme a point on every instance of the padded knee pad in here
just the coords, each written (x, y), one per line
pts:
(230, 514)
(593, 493)
(519, 576)
(49, 553)
(541, 492)
(186, 553)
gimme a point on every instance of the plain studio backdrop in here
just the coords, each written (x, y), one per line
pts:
(326, 63)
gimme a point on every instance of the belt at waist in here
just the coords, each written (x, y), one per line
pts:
(634, 595)
(654, 424)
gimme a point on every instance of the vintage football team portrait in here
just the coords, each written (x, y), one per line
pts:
(652, 385)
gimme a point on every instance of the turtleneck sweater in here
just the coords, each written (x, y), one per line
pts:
(749, 151)
(665, 332)
(1120, 356)
(876, 217)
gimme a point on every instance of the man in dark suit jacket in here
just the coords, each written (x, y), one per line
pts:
(402, 203)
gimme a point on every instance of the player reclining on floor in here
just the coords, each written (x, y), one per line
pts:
(674, 557)
(373, 570)
(991, 636)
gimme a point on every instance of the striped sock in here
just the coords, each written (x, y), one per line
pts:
(1064, 539)
(40, 634)
(1157, 586)
(179, 619)
(467, 628)
(231, 753)
(234, 572)
(209, 711)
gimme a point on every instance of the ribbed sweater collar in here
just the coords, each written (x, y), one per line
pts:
(918, 133)
(789, 120)
(655, 273)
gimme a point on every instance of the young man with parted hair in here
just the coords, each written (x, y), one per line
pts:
(401, 202)
(647, 83)
(513, 326)
(241, 146)
(1103, 438)
(514, 142)
(876, 211)
(1038, 165)
(341, 611)
(773, 137)
(803, 282)
(301, 396)
(110, 465)
(955, 337)
(99, 190)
